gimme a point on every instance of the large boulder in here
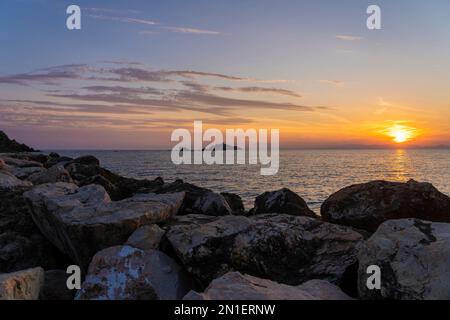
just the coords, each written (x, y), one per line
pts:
(21, 285)
(282, 201)
(414, 259)
(283, 248)
(8, 145)
(236, 286)
(82, 221)
(22, 245)
(366, 206)
(126, 273)
(54, 174)
(198, 200)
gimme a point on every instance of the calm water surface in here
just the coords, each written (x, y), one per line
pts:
(313, 174)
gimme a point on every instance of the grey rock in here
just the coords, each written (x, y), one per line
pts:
(21, 285)
(146, 237)
(236, 286)
(127, 273)
(365, 206)
(54, 174)
(212, 204)
(414, 260)
(82, 221)
(9, 181)
(283, 248)
(282, 201)
(198, 200)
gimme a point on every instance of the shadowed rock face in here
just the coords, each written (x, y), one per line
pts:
(236, 286)
(414, 260)
(282, 201)
(8, 145)
(22, 245)
(55, 286)
(21, 285)
(126, 273)
(82, 221)
(279, 247)
(367, 205)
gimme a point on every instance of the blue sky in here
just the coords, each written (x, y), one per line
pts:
(297, 46)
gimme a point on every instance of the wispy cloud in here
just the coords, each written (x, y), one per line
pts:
(349, 38)
(191, 31)
(261, 90)
(332, 82)
(122, 19)
(118, 94)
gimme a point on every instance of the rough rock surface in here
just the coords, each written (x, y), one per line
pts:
(414, 260)
(54, 174)
(126, 273)
(8, 145)
(9, 181)
(146, 237)
(21, 167)
(198, 200)
(21, 285)
(366, 206)
(82, 221)
(22, 245)
(283, 248)
(55, 286)
(282, 201)
(236, 286)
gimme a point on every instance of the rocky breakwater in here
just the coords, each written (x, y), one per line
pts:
(147, 239)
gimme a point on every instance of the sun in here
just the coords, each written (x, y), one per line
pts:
(401, 133)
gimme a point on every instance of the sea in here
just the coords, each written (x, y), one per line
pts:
(313, 174)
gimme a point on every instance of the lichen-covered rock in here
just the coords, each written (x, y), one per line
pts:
(236, 286)
(146, 237)
(283, 248)
(127, 273)
(414, 259)
(54, 174)
(21, 285)
(82, 221)
(366, 206)
(282, 201)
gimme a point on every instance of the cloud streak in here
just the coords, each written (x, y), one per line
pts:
(348, 38)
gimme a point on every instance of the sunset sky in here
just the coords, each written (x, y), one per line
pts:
(139, 69)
